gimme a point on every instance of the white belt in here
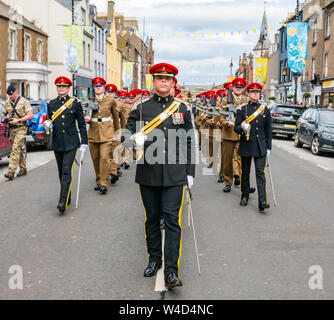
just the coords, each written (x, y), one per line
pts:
(101, 119)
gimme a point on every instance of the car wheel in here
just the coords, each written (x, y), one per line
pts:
(49, 144)
(315, 145)
(298, 144)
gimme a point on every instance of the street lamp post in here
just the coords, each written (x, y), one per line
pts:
(296, 75)
(73, 73)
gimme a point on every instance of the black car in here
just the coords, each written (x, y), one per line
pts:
(315, 128)
(284, 118)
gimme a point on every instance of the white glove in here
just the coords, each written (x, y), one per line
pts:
(190, 181)
(246, 127)
(139, 139)
(83, 148)
(268, 153)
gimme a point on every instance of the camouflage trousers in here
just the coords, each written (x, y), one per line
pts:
(17, 158)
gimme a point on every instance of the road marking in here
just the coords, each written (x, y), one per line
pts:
(322, 167)
(43, 163)
(160, 279)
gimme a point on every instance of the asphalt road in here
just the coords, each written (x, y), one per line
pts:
(98, 251)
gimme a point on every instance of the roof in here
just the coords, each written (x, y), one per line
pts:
(7, 13)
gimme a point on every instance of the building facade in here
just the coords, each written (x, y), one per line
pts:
(23, 55)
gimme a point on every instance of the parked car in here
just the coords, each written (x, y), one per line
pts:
(5, 145)
(315, 128)
(36, 134)
(284, 118)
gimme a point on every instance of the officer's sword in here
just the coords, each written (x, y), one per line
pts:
(189, 198)
(76, 205)
(271, 182)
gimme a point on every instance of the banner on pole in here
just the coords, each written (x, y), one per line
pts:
(297, 39)
(127, 74)
(73, 37)
(149, 82)
(261, 70)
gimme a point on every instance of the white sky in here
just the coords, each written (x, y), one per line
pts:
(202, 60)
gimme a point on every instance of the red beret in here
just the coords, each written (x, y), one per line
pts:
(178, 91)
(117, 93)
(239, 82)
(124, 94)
(63, 81)
(145, 93)
(254, 87)
(227, 85)
(164, 69)
(216, 96)
(132, 94)
(209, 95)
(220, 91)
(98, 80)
(111, 87)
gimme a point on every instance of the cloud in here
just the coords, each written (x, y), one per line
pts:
(202, 17)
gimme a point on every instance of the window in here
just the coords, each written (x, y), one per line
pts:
(326, 65)
(328, 25)
(102, 71)
(99, 70)
(88, 51)
(315, 27)
(95, 39)
(27, 48)
(83, 16)
(12, 44)
(95, 68)
(102, 42)
(84, 53)
(313, 68)
(99, 40)
(39, 51)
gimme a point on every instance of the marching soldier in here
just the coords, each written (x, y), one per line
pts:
(253, 123)
(19, 111)
(231, 140)
(101, 132)
(64, 112)
(162, 185)
(111, 91)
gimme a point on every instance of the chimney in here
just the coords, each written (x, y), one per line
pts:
(111, 10)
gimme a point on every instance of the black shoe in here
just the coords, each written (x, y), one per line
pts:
(162, 224)
(103, 190)
(113, 178)
(61, 207)
(126, 166)
(172, 281)
(152, 269)
(210, 165)
(252, 190)
(264, 205)
(97, 187)
(244, 200)
(221, 180)
(236, 180)
(119, 172)
(227, 189)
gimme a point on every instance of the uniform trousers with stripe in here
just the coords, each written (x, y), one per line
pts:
(260, 164)
(166, 201)
(65, 163)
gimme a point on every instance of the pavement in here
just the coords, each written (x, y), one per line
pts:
(98, 250)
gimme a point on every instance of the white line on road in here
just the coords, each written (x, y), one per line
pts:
(322, 167)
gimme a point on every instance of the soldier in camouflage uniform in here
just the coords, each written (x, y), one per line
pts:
(19, 111)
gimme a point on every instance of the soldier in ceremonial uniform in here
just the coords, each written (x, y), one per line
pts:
(231, 140)
(102, 125)
(162, 185)
(19, 111)
(65, 112)
(253, 123)
(111, 90)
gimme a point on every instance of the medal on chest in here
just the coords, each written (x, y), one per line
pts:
(178, 118)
